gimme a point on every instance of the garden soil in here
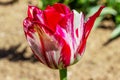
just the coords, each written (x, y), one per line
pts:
(99, 62)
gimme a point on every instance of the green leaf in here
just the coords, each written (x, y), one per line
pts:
(118, 1)
(116, 32)
(43, 3)
(117, 19)
(109, 10)
(97, 22)
(82, 1)
(106, 10)
(111, 2)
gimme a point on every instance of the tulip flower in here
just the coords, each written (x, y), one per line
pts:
(57, 35)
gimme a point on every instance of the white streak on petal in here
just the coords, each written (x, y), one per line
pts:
(68, 39)
(40, 17)
(35, 46)
(76, 19)
(57, 56)
(78, 24)
(50, 58)
(53, 57)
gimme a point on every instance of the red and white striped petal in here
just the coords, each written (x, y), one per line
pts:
(78, 29)
(64, 39)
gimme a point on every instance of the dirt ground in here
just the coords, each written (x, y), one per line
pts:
(17, 62)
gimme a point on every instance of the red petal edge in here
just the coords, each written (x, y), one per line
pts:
(90, 22)
(61, 8)
(88, 26)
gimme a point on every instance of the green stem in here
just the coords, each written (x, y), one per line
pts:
(63, 74)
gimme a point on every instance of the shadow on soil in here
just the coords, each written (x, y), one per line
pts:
(13, 55)
(8, 2)
(110, 40)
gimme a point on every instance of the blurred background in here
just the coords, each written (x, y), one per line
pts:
(101, 60)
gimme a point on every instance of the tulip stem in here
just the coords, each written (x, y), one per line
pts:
(63, 74)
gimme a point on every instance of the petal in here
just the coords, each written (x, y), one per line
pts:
(78, 33)
(78, 26)
(88, 26)
(49, 47)
(78, 23)
(33, 40)
(61, 8)
(55, 15)
(90, 22)
(47, 41)
(52, 18)
(30, 11)
(82, 47)
(65, 42)
(66, 54)
(43, 47)
(36, 15)
(33, 11)
(28, 25)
